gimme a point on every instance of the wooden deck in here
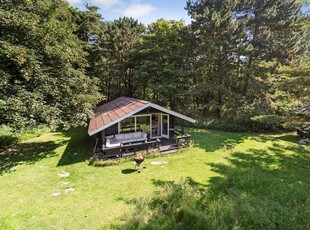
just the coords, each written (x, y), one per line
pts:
(168, 146)
(162, 145)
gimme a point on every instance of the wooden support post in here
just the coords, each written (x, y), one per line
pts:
(95, 145)
(158, 143)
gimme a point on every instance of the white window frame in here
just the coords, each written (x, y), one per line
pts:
(150, 116)
(158, 136)
(119, 124)
(168, 124)
(135, 118)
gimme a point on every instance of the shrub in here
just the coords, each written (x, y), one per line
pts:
(271, 122)
(260, 123)
(31, 132)
(220, 124)
(9, 136)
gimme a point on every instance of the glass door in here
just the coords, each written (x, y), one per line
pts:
(165, 125)
(155, 125)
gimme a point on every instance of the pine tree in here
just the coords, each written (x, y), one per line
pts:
(272, 34)
(218, 35)
(116, 72)
(160, 60)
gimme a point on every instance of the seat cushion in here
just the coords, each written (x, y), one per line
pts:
(137, 134)
(129, 140)
(113, 145)
(119, 136)
(128, 136)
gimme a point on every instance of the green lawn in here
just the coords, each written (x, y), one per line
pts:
(245, 181)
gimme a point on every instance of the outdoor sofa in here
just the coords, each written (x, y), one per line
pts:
(125, 138)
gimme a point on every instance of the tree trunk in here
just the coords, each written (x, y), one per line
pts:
(221, 92)
(238, 67)
(220, 104)
(248, 75)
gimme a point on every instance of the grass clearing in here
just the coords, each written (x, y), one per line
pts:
(8, 136)
(244, 180)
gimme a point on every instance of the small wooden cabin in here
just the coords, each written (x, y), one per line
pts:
(126, 122)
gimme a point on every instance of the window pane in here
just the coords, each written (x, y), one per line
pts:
(155, 125)
(165, 124)
(143, 124)
(127, 125)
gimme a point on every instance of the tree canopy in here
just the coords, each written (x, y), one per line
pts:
(42, 66)
(237, 63)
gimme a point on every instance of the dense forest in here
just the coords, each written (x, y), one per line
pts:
(240, 65)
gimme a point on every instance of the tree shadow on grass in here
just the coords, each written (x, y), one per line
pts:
(214, 140)
(161, 183)
(257, 189)
(26, 153)
(129, 171)
(165, 210)
(266, 189)
(290, 137)
(6, 140)
(189, 180)
(78, 148)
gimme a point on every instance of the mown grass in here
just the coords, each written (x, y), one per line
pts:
(8, 136)
(224, 180)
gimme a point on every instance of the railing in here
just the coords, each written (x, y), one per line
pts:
(119, 151)
(182, 139)
(178, 132)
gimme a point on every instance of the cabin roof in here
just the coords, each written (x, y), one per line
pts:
(119, 109)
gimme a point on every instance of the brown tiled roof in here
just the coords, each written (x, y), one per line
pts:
(114, 110)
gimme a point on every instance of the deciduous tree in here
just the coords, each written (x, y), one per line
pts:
(42, 66)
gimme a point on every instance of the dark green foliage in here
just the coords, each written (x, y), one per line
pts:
(42, 66)
(215, 123)
(218, 36)
(113, 68)
(237, 66)
(273, 35)
(162, 61)
(88, 24)
(8, 136)
(241, 43)
(269, 122)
